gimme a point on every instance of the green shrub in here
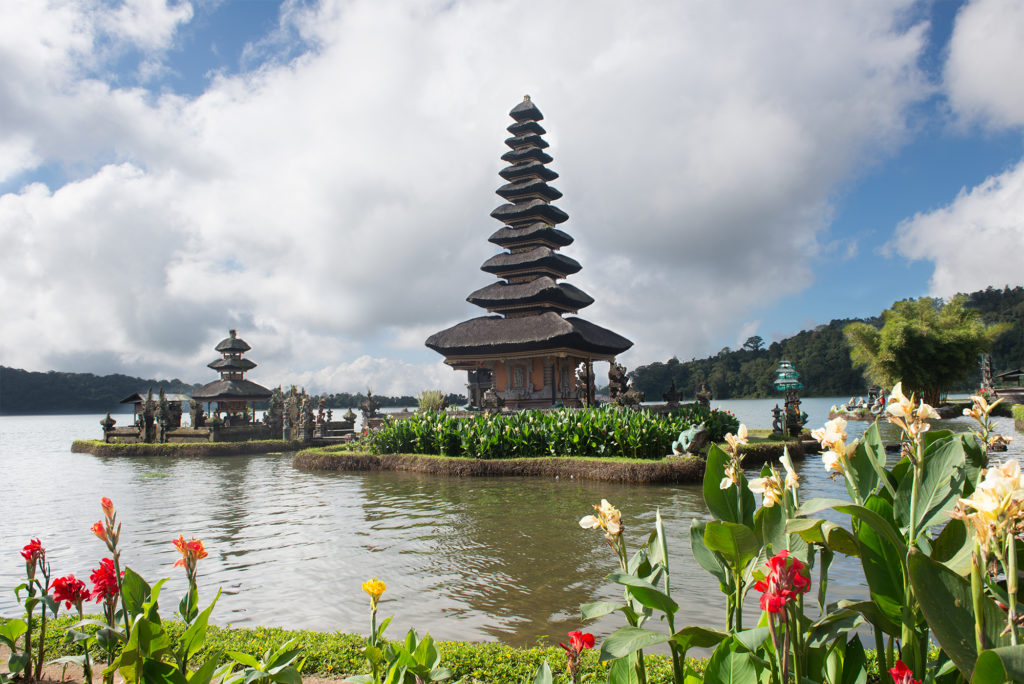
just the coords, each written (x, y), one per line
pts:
(432, 400)
(604, 431)
(1018, 417)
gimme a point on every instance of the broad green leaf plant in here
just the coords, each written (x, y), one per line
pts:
(934, 532)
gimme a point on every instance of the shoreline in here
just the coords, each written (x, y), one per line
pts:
(184, 449)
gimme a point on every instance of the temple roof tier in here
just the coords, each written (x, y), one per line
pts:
(524, 127)
(232, 364)
(529, 139)
(493, 335)
(534, 168)
(529, 212)
(232, 390)
(539, 292)
(527, 154)
(537, 261)
(530, 188)
(232, 343)
(535, 233)
(526, 111)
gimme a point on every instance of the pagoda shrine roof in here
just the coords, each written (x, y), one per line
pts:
(232, 364)
(539, 291)
(533, 233)
(537, 260)
(235, 390)
(531, 210)
(489, 335)
(232, 343)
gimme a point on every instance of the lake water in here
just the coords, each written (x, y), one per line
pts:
(478, 558)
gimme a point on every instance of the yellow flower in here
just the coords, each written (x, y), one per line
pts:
(374, 587)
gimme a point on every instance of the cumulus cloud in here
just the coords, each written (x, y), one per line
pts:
(986, 62)
(334, 205)
(977, 240)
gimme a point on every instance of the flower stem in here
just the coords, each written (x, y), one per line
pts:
(1011, 586)
(977, 592)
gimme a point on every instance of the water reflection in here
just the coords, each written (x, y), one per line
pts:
(477, 558)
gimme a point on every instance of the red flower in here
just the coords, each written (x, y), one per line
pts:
(901, 674)
(70, 590)
(104, 580)
(108, 507)
(786, 578)
(99, 530)
(581, 640)
(33, 551)
(191, 551)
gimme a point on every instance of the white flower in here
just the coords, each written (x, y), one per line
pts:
(739, 438)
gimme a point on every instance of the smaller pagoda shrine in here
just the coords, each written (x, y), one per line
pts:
(232, 393)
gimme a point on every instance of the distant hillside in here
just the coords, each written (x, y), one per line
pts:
(54, 392)
(821, 356)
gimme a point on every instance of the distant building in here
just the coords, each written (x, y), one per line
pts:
(232, 393)
(532, 353)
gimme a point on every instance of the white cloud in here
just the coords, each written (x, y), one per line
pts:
(976, 241)
(986, 62)
(336, 206)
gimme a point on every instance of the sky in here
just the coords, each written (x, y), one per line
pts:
(319, 174)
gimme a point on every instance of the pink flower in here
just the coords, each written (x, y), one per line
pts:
(901, 674)
(786, 579)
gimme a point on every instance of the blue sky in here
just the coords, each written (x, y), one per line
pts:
(319, 174)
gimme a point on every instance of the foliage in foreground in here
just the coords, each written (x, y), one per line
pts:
(603, 431)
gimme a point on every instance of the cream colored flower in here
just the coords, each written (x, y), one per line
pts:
(996, 509)
(899, 406)
(736, 440)
(926, 412)
(833, 432)
(730, 477)
(608, 518)
(832, 461)
(771, 488)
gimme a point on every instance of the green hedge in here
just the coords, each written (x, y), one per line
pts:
(333, 654)
(603, 431)
(1018, 417)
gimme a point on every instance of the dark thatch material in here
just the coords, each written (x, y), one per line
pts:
(540, 259)
(669, 470)
(528, 169)
(533, 233)
(139, 398)
(232, 344)
(543, 290)
(526, 111)
(526, 139)
(232, 364)
(533, 187)
(524, 127)
(494, 335)
(232, 390)
(527, 154)
(533, 210)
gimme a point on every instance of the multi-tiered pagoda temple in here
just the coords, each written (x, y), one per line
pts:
(232, 392)
(531, 353)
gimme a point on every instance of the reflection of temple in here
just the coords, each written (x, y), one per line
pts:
(232, 393)
(529, 352)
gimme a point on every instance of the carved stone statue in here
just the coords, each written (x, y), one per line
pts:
(108, 426)
(617, 380)
(986, 371)
(776, 420)
(274, 416)
(198, 417)
(704, 396)
(493, 402)
(691, 441)
(369, 406)
(584, 382)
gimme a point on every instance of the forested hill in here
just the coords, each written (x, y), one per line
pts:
(54, 392)
(821, 356)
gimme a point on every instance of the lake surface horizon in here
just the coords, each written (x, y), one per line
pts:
(491, 559)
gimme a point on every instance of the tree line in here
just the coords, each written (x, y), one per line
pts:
(822, 357)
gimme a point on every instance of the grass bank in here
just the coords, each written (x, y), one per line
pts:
(1018, 417)
(184, 449)
(670, 470)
